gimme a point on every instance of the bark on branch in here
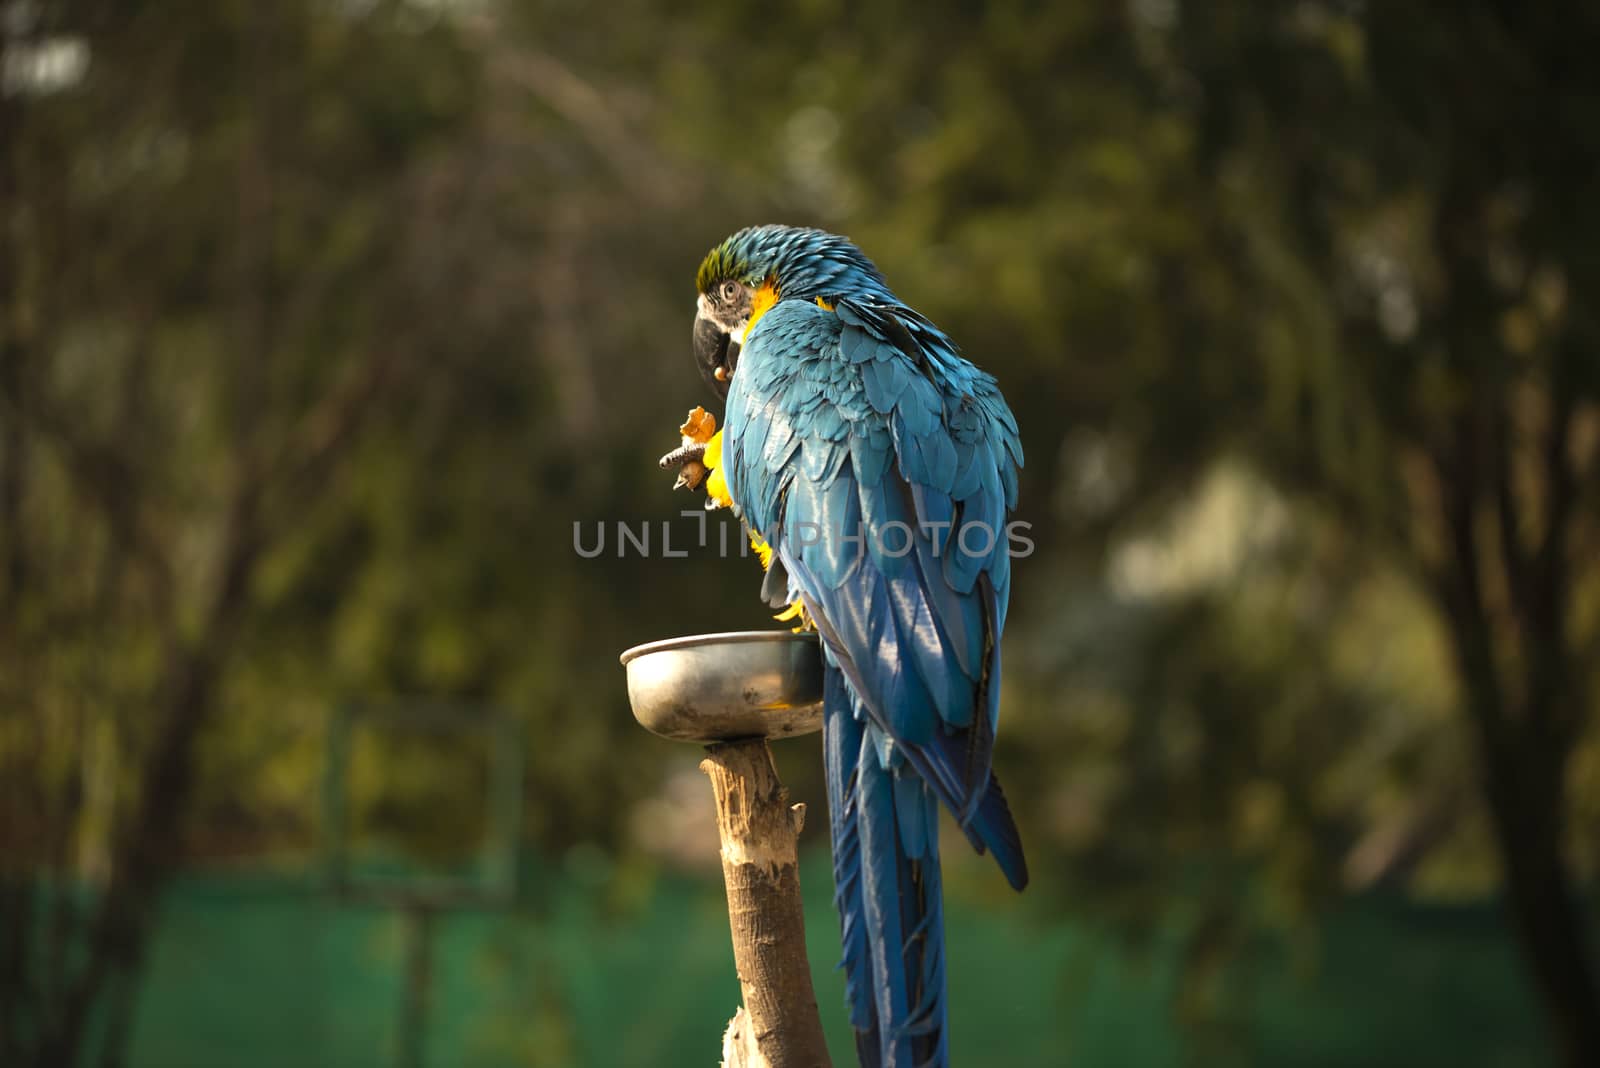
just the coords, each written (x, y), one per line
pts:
(778, 1025)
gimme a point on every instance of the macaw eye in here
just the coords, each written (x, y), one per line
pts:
(730, 290)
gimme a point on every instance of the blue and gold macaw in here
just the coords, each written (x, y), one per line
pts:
(875, 467)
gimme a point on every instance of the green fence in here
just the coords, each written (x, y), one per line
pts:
(257, 971)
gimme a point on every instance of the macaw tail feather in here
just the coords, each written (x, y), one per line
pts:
(992, 826)
(885, 827)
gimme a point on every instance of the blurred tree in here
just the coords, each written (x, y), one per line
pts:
(1408, 204)
(312, 340)
(1338, 244)
(198, 329)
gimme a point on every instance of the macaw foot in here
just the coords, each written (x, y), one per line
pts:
(797, 611)
(697, 458)
(687, 458)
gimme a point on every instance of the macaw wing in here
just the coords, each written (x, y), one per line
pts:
(841, 450)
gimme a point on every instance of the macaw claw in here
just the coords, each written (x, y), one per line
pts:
(691, 472)
(692, 475)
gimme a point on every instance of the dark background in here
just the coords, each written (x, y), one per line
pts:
(323, 323)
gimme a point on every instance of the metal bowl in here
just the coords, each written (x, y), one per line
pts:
(718, 687)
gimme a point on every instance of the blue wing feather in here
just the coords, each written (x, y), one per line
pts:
(911, 614)
(835, 430)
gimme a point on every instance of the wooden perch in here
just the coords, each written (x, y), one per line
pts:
(778, 1026)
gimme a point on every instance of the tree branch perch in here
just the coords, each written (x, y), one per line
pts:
(778, 1025)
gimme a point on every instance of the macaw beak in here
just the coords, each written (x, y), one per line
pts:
(715, 353)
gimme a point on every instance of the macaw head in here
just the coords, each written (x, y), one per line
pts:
(746, 275)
